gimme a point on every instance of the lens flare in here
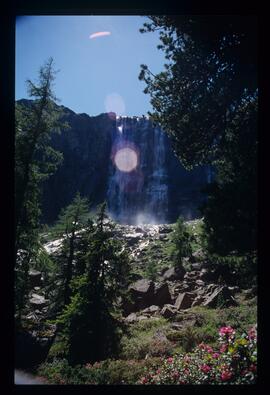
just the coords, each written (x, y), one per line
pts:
(99, 34)
(126, 159)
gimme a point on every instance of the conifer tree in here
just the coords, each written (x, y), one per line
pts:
(90, 322)
(35, 161)
(71, 220)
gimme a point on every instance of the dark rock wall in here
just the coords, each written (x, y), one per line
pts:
(159, 185)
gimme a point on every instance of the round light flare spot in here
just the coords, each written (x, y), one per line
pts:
(126, 159)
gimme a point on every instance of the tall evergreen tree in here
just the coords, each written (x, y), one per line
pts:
(35, 160)
(90, 322)
(71, 220)
(207, 100)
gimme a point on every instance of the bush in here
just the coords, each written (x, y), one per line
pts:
(235, 269)
(105, 372)
(235, 362)
(140, 340)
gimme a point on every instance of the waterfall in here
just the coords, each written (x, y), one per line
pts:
(137, 186)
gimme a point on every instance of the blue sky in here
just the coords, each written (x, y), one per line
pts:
(96, 75)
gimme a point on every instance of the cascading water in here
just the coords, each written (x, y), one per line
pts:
(137, 187)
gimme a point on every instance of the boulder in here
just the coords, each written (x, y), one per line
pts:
(142, 317)
(35, 278)
(141, 295)
(38, 301)
(200, 283)
(184, 300)
(221, 296)
(168, 311)
(151, 310)
(131, 318)
(174, 274)
(198, 301)
(162, 294)
(143, 287)
(196, 266)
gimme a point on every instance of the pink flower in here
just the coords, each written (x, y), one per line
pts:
(226, 375)
(252, 334)
(209, 349)
(158, 371)
(215, 355)
(170, 360)
(205, 368)
(176, 374)
(226, 330)
(223, 348)
(144, 380)
(202, 346)
(253, 368)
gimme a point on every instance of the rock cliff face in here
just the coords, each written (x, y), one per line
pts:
(127, 161)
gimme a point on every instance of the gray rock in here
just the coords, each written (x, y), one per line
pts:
(151, 310)
(142, 317)
(131, 318)
(197, 266)
(168, 311)
(184, 301)
(200, 283)
(142, 287)
(141, 295)
(220, 295)
(162, 294)
(198, 301)
(174, 274)
(38, 301)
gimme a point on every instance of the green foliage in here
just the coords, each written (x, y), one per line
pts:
(34, 162)
(240, 270)
(182, 242)
(230, 214)
(90, 321)
(70, 223)
(207, 101)
(233, 362)
(108, 372)
(140, 341)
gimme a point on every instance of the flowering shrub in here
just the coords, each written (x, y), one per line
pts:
(234, 363)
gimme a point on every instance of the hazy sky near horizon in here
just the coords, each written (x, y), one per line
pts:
(98, 74)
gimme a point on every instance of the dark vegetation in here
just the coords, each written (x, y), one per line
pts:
(206, 99)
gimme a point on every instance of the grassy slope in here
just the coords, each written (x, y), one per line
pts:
(153, 338)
